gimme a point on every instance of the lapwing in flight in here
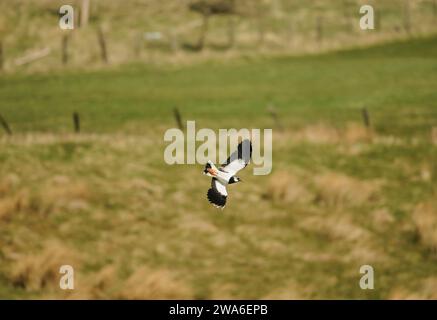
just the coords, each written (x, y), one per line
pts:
(226, 174)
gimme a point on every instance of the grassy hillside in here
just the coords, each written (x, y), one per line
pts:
(339, 197)
(393, 81)
(261, 27)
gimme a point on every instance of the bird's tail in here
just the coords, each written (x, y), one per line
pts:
(210, 169)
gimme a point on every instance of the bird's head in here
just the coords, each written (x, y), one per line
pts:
(234, 179)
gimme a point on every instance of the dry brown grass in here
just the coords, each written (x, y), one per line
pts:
(8, 183)
(7, 208)
(105, 278)
(334, 189)
(382, 219)
(55, 195)
(427, 290)
(425, 219)
(15, 204)
(319, 133)
(291, 290)
(434, 136)
(146, 283)
(116, 141)
(340, 229)
(193, 223)
(41, 270)
(286, 187)
(338, 226)
(355, 132)
(220, 291)
(145, 218)
(330, 189)
(426, 172)
(322, 133)
(98, 286)
(73, 196)
(4, 188)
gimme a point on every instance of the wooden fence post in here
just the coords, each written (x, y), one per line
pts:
(102, 45)
(65, 42)
(274, 114)
(178, 118)
(84, 13)
(434, 9)
(366, 120)
(204, 30)
(407, 17)
(319, 30)
(76, 122)
(366, 117)
(5, 125)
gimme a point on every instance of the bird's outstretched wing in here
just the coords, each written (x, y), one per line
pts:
(239, 159)
(217, 194)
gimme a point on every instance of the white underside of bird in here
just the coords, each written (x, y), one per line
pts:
(226, 174)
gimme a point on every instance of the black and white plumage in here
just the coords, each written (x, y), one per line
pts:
(217, 194)
(226, 174)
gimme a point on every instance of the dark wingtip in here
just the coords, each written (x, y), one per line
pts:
(242, 150)
(216, 199)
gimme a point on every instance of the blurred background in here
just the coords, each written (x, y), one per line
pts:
(83, 180)
(186, 31)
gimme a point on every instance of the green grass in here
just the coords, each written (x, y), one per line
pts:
(107, 198)
(392, 81)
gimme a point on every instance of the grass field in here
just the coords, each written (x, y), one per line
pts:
(261, 27)
(339, 196)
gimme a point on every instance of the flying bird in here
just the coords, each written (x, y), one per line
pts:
(226, 173)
